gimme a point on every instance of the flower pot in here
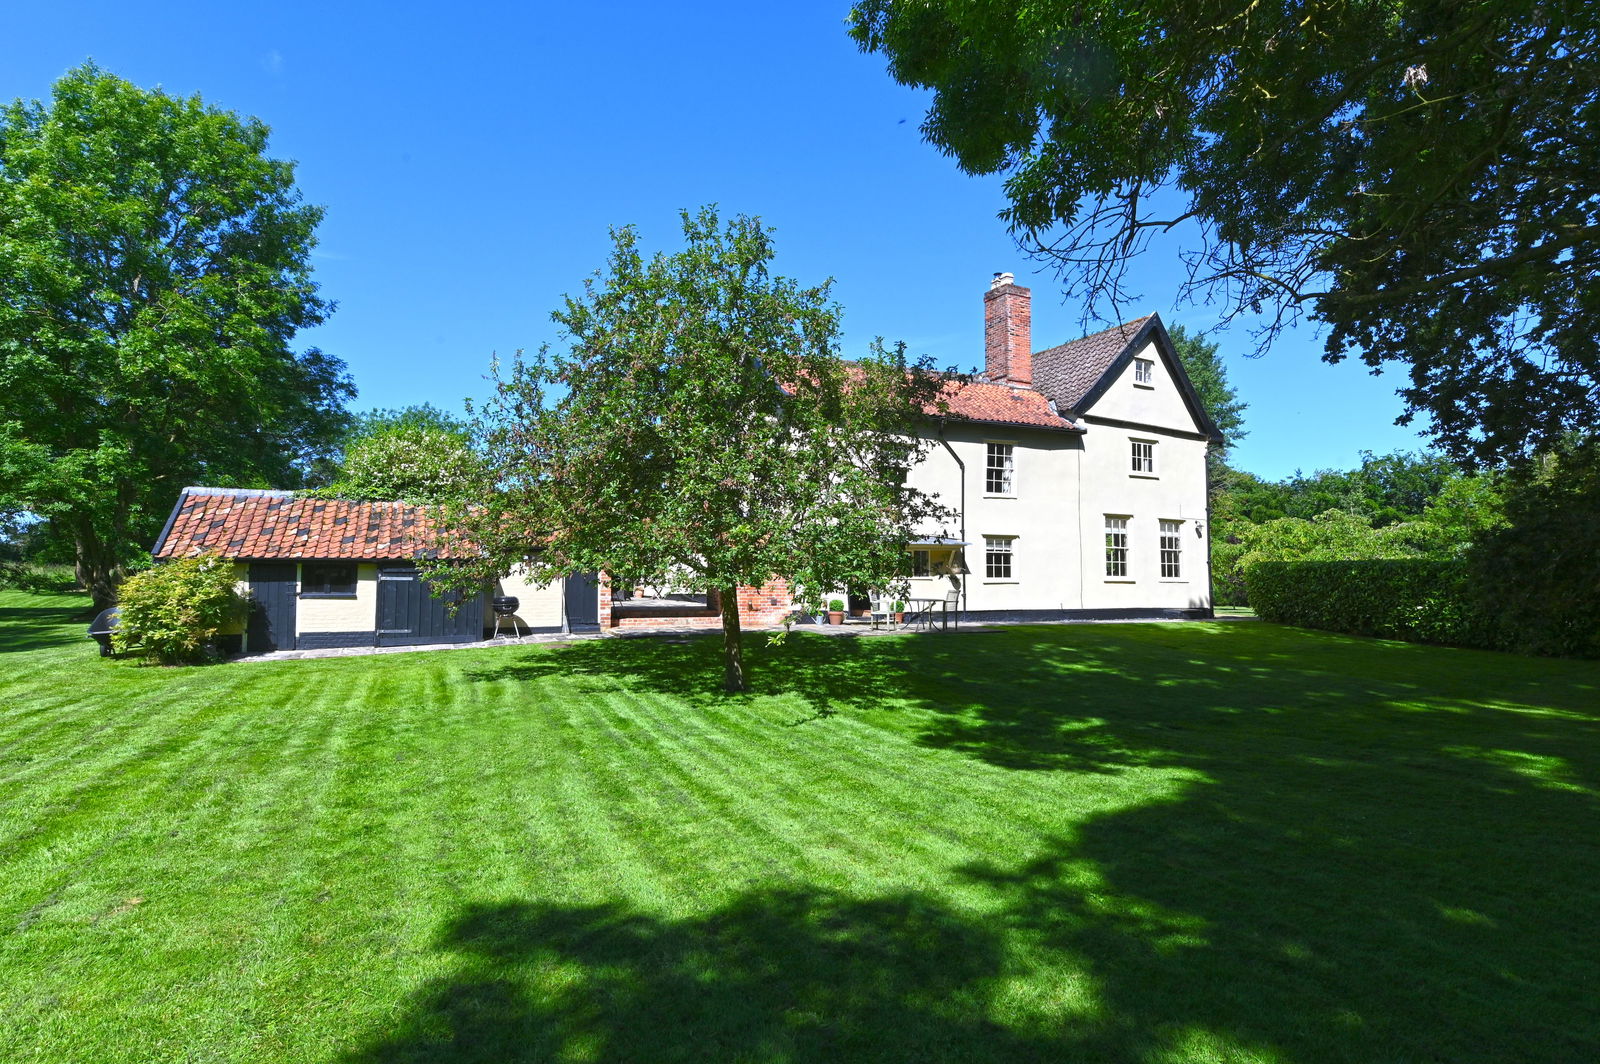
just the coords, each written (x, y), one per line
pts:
(835, 616)
(899, 618)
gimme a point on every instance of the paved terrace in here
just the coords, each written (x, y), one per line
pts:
(841, 631)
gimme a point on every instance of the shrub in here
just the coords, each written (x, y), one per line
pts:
(31, 576)
(836, 605)
(1423, 600)
(1541, 567)
(1227, 579)
(174, 611)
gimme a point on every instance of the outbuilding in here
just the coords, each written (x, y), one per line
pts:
(324, 573)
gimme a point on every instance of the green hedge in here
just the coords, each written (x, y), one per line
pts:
(1421, 600)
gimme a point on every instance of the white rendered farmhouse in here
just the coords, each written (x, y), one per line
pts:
(1077, 475)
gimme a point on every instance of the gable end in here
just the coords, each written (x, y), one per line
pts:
(1153, 331)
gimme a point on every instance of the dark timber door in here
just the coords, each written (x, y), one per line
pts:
(583, 600)
(409, 615)
(272, 590)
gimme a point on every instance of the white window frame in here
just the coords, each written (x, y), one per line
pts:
(1000, 552)
(1170, 542)
(1142, 458)
(1144, 372)
(1117, 548)
(1006, 468)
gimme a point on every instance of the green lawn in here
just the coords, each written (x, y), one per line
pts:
(1203, 842)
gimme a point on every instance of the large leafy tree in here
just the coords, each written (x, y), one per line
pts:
(1419, 175)
(699, 426)
(153, 274)
(417, 454)
(1202, 362)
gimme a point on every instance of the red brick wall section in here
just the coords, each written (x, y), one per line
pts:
(765, 606)
(1008, 333)
(759, 607)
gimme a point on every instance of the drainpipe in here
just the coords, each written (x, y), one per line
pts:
(1211, 577)
(963, 467)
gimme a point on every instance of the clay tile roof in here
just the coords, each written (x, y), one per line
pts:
(978, 400)
(983, 401)
(245, 523)
(1068, 372)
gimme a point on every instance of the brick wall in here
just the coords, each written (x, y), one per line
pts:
(605, 601)
(759, 607)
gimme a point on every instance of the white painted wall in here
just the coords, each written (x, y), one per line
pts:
(1159, 404)
(1174, 492)
(358, 614)
(538, 607)
(1041, 505)
(241, 584)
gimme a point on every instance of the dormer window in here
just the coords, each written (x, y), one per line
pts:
(1144, 372)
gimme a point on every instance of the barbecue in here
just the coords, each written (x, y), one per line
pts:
(100, 629)
(505, 609)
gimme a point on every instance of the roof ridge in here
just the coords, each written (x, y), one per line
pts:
(269, 493)
(1129, 324)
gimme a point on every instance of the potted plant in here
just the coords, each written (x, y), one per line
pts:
(836, 611)
(899, 609)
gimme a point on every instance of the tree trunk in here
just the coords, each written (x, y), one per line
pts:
(96, 570)
(733, 675)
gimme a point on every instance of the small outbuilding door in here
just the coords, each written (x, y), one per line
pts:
(583, 600)
(409, 614)
(273, 589)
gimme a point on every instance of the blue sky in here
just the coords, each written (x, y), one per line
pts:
(472, 157)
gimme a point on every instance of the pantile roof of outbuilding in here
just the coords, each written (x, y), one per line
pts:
(249, 523)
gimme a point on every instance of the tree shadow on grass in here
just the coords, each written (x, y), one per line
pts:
(1109, 697)
(1361, 914)
(788, 974)
(1386, 852)
(44, 627)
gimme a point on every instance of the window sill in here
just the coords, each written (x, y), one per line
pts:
(1169, 580)
(1146, 387)
(1120, 580)
(1001, 581)
(999, 496)
(1144, 476)
(329, 595)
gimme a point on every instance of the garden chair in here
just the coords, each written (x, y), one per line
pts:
(952, 607)
(882, 607)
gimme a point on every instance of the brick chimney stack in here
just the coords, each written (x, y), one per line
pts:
(1008, 331)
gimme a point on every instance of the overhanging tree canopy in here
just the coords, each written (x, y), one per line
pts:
(1420, 175)
(153, 273)
(700, 426)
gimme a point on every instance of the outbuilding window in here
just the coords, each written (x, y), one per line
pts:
(328, 579)
(1144, 371)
